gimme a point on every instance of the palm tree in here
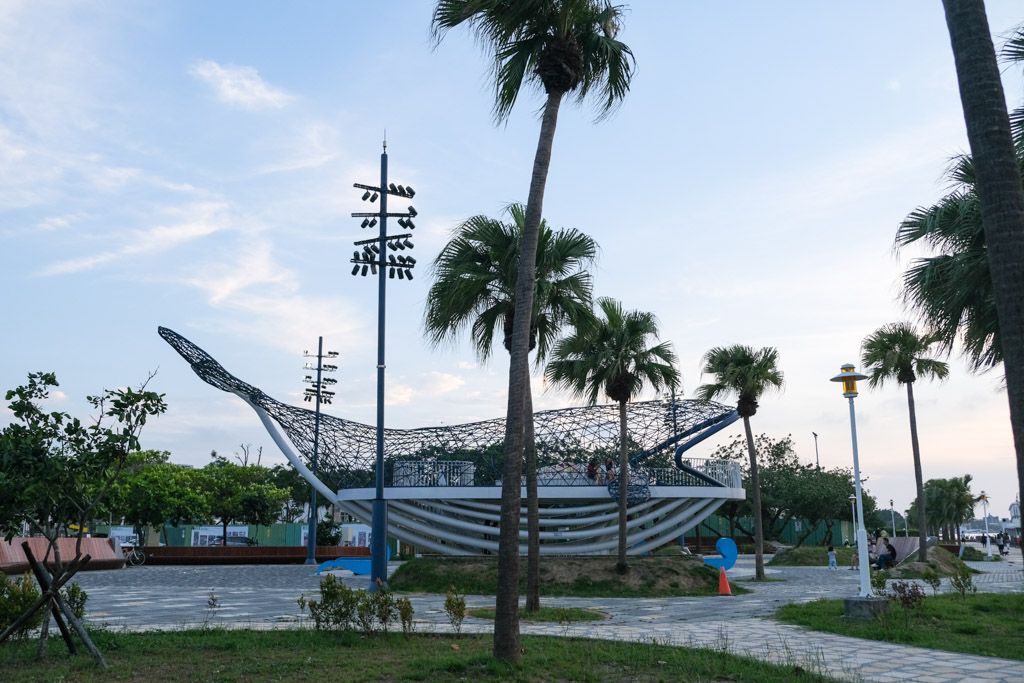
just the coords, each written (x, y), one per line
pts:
(746, 373)
(612, 357)
(999, 189)
(897, 351)
(474, 286)
(565, 47)
(952, 291)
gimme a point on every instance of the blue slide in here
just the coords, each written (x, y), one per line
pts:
(356, 565)
(726, 547)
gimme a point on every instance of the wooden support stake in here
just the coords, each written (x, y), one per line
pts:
(43, 578)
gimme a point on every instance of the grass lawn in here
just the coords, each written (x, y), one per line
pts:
(986, 624)
(811, 556)
(582, 577)
(303, 655)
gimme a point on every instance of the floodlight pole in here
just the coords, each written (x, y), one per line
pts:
(379, 537)
(311, 540)
(384, 267)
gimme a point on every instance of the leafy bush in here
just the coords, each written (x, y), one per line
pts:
(962, 581)
(972, 554)
(328, 532)
(932, 578)
(337, 607)
(405, 612)
(76, 598)
(16, 597)
(878, 582)
(908, 596)
(455, 607)
(384, 607)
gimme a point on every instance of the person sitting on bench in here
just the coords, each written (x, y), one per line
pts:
(888, 558)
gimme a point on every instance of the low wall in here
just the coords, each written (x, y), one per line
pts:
(104, 551)
(257, 554)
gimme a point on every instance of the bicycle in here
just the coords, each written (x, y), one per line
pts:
(135, 557)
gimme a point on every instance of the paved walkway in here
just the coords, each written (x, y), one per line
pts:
(264, 597)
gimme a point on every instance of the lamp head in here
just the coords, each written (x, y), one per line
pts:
(852, 498)
(848, 375)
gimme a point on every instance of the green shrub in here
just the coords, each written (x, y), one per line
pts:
(384, 608)
(962, 581)
(972, 554)
(878, 582)
(405, 613)
(455, 607)
(76, 598)
(337, 607)
(932, 578)
(16, 597)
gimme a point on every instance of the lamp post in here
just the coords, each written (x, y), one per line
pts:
(988, 545)
(317, 393)
(853, 516)
(849, 376)
(817, 461)
(893, 511)
(906, 527)
(375, 258)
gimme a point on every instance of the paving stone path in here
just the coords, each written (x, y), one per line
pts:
(265, 597)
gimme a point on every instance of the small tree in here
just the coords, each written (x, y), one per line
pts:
(241, 493)
(153, 492)
(56, 471)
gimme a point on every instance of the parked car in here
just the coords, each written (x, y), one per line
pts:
(232, 541)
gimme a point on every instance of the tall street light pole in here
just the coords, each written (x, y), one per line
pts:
(849, 376)
(906, 526)
(375, 258)
(893, 511)
(817, 460)
(320, 395)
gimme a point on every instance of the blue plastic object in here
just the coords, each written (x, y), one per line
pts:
(726, 547)
(356, 565)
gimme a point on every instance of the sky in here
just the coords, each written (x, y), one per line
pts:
(190, 165)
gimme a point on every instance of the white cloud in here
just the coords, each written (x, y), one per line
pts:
(202, 219)
(239, 85)
(313, 146)
(442, 382)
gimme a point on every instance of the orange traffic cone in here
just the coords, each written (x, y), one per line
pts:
(723, 582)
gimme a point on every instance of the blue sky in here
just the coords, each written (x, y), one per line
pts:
(190, 165)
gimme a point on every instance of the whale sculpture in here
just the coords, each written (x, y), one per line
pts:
(443, 484)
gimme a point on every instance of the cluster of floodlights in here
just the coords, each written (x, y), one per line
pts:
(369, 259)
(326, 396)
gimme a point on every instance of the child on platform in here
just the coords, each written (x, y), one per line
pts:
(832, 559)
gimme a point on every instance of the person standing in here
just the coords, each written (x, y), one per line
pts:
(832, 559)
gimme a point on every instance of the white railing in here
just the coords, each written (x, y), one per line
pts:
(433, 473)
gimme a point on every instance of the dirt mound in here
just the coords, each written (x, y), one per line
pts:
(939, 559)
(652, 576)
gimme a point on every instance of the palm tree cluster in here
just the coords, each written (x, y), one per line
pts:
(949, 503)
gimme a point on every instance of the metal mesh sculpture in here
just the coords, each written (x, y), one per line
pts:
(453, 461)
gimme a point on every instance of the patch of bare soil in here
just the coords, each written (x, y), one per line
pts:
(942, 561)
(662, 575)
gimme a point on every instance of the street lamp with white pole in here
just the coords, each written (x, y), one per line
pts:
(988, 546)
(893, 511)
(817, 460)
(906, 527)
(849, 376)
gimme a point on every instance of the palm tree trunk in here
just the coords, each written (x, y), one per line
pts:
(532, 507)
(999, 189)
(755, 494)
(506, 604)
(622, 566)
(918, 477)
